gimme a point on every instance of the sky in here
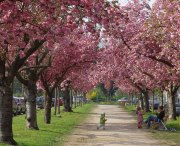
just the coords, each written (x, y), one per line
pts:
(123, 2)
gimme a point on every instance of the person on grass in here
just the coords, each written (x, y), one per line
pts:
(158, 118)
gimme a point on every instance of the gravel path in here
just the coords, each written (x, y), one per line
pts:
(121, 130)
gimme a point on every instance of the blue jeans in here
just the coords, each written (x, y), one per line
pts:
(151, 118)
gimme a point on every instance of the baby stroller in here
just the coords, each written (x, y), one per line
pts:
(160, 125)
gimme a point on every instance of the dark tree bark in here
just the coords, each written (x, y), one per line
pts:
(6, 112)
(111, 90)
(162, 97)
(58, 106)
(29, 76)
(142, 101)
(47, 108)
(58, 109)
(7, 74)
(71, 98)
(144, 91)
(67, 103)
(6, 134)
(49, 90)
(146, 99)
(48, 94)
(75, 99)
(153, 101)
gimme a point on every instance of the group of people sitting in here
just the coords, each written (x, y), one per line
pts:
(156, 118)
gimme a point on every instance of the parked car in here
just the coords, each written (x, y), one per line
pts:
(156, 103)
(15, 106)
(135, 100)
(177, 109)
(60, 99)
(22, 104)
(18, 105)
(124, 99)
(40, 102)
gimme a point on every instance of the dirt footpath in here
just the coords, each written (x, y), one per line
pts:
(121, 130)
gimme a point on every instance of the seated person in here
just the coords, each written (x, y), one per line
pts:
(157, 118)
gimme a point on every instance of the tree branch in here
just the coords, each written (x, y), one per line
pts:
(42, 69)
(18, 62)
(33, 67)
(21, 79)
(148, 56)
(44, 54)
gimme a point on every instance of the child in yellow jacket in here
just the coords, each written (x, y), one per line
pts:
(102, 121)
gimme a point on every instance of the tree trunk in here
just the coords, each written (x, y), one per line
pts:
(75, 100)
(56, 101)
(30, 93)
(171, 106)
(153, 102)
(58, 107)
(71, 98)
(84, 95)
(162, 98)
(146, 98)
(67, 104)
(81, 103)
(142, 101)
(47, 108)
(6, 134)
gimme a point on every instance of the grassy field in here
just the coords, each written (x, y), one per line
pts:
(171, 137)
(49, 134)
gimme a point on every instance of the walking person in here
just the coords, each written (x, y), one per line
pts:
(102, 121)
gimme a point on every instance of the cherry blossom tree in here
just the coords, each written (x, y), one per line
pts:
(140, 43)
(75, 51)
(26, 26)
(21, 36)
(28, 75)
(140, 37)
(163, 30)
(81, 79)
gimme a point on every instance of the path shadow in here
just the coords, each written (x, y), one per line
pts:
(105, 136)
(86, 113)
(120, 117)
(110, 127)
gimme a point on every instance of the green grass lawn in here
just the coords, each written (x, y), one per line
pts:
(49, 134)
(172, 137)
